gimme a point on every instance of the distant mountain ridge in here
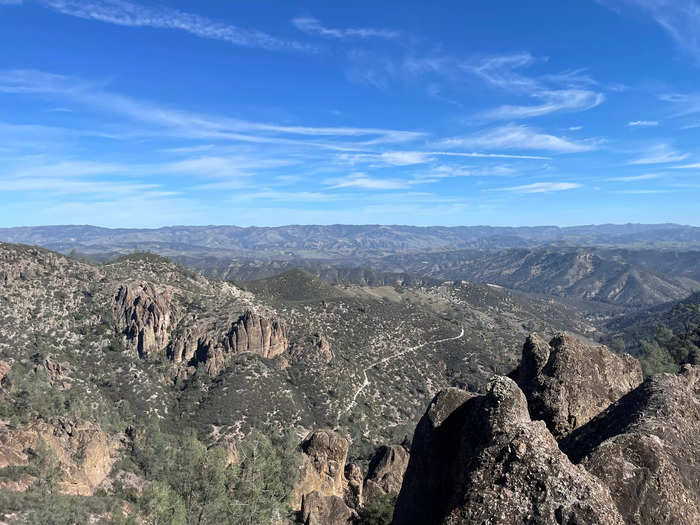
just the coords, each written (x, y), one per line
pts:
(338, 241)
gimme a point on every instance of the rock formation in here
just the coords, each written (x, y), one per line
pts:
(5, 368)
(83, 451)
(323, 463)
(143, 316)
(319, 494)
(645, 449)
(325, 510)
(480, 459)
(352, 488)
(249, 333)
(258, 335)
(314, 347)
(567, 383)
(386, 471)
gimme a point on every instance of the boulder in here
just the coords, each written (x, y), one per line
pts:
(495, 465)
(386, 471)
(567, 383)
(645, 449)
(324, 453)
(84, 452)
(317, 509)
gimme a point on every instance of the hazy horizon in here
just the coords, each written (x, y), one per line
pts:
(590, 225)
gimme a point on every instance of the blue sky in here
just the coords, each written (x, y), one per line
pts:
(144, 114)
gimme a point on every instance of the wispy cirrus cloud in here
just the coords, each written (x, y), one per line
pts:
(643, 123)
(634, 178)
(660, 154)
(367, 182)
(693, 166)
(518, 137)
(564, 92)
(313, 26)
(196, 125)
(679, 18)
(130, 14)
(542, 187)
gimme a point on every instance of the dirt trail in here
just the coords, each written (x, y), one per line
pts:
(366, 382)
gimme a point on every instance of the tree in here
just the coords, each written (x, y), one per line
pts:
(378, 511)
(161, 505)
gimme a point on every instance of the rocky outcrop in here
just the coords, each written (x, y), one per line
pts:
(314, 348)
(5, 368)
(249, 333)
(386, 471)
(352, 487)
(323, 463)
(83, 451)
(645, 449)
(481, 459)
(567, 383)
(431, 472)
(144, 316)
(257, 335)
(317, 509)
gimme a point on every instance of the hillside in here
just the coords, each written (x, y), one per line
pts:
(573, 273)
(174, 331)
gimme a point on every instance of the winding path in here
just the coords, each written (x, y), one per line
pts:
(366, 382)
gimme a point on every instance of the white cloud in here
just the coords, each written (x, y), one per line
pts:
(221, 166)
(553, 101)
(68, 168)
(643, 123)
(287, 196)
(661, 154)
(566, 91)
(405, 158)
(642, 192)
(633, 178)
(687, 166)
(518, 137)
(575, 128)
(125, 13)
(313, 26)
(542, 187)
(486, 155)
(365, 181)
(194, 125)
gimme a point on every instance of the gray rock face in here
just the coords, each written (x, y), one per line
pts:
(645, 449)
(352, 489)
(258, 335)
(250, 333)
(386, 471)
(487, 462)
(492, 464)
(144, 316)
(431, 471)
(567, 383)
(317, 509)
